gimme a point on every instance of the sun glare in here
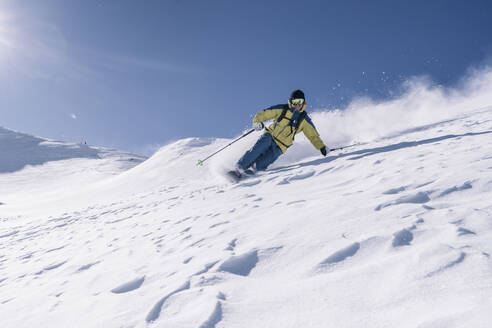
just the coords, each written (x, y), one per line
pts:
(5, 40)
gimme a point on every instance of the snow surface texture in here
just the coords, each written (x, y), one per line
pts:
(395, 232)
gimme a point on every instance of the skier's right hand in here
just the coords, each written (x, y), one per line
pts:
(258, 126)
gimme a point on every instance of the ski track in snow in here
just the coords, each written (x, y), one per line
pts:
(156, 310)
(211, 254)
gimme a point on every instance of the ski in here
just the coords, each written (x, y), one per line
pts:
(233, 176)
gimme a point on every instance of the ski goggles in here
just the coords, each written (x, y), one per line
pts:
(299, 101)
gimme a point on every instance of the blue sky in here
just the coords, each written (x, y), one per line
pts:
(135, 74)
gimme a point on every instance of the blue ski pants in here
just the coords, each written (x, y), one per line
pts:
(263, 153)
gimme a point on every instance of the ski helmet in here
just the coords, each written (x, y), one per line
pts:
(297, 94)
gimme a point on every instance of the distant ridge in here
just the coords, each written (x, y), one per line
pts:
(19, 149)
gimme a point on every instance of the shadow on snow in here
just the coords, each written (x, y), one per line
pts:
(355, 155)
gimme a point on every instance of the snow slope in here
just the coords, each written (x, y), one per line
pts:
(395, 232)
(31, 167)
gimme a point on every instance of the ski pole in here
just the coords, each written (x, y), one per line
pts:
(339, 148)
(200, 162)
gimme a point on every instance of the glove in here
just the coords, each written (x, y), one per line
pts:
(323, 150)
(258, 126)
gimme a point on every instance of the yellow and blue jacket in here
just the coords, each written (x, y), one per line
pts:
(284, 130)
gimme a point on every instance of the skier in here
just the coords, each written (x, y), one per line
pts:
(289, 119)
